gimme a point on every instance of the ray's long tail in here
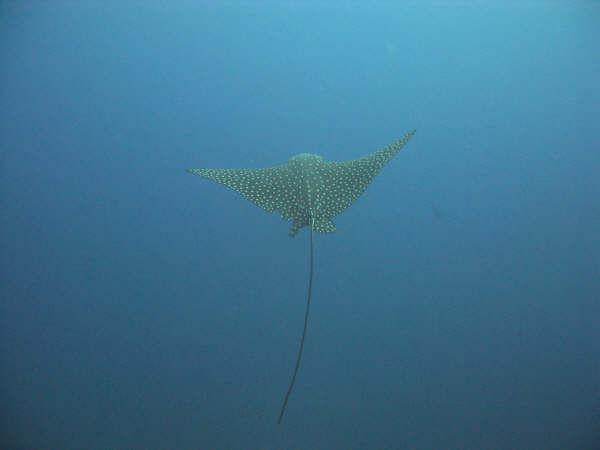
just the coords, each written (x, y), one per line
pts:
(306, 315)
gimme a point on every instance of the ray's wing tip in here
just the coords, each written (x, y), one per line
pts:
(407, 136)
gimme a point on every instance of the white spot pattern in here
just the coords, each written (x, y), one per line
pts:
(307, 186)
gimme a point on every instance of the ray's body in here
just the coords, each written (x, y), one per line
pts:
(307, 191)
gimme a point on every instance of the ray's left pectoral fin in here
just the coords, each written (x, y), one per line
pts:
(272, 188)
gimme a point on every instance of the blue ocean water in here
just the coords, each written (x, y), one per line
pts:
(456, 307)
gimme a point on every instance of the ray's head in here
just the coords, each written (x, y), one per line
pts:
(306, 159)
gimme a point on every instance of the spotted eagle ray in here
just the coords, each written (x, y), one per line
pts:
(307, 191)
